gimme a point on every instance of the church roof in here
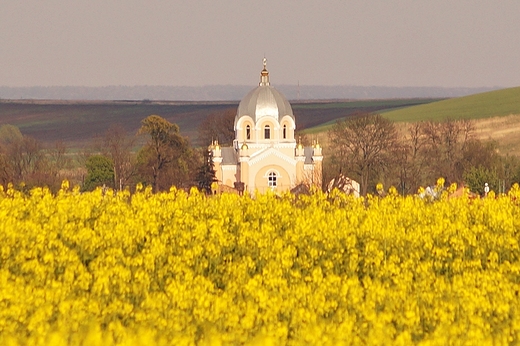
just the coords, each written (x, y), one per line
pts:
(308, 151)
(264, 101)
(229, 156)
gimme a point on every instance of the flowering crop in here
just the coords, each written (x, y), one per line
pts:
(178, 268)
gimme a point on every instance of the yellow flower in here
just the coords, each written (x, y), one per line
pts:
(179, 268)
(65, 185)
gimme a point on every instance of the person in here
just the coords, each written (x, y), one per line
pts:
(486, 189)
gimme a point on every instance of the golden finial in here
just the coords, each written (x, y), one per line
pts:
(264, 75)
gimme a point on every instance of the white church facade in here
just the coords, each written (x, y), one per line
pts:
(265, 154)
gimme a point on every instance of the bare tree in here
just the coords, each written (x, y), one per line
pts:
(24, 157)
(362, 143)
(415, 139)
(58, 156)
(468, 131)
(5, 172)
(118, 147)
(443, 147)
(218, 126)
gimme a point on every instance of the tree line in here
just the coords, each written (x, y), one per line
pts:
(372, 149)
(365, 147)
(116, 160)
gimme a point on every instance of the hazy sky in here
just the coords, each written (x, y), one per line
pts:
(450, 43)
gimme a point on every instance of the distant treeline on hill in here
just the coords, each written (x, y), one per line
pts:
(229, 92)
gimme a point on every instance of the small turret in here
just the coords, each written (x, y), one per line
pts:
(317, 156)
(217, 152)
(299, 148)
(244, 150)
(317, 149)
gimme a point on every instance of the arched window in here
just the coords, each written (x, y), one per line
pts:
(285, 132)
(267, 132)
(248, 132)
(271, 180)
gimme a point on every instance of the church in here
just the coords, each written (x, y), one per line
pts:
(265, 154)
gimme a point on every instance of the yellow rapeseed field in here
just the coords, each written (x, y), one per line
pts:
(183, 269)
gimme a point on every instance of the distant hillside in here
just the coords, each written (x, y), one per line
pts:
(496, 115)
(484, 105)
(78, 122)
(229, 92)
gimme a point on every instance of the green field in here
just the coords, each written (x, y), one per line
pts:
(496, 116)
(319, 117)
(344, 109)
(478, 106)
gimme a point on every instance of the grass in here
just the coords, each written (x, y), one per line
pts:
(343, 110)
(502, 129)
(321, 128)
(319, 116)
(496, 116)
(381, 104)
(478, 106)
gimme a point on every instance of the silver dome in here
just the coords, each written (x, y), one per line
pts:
(264, 101)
